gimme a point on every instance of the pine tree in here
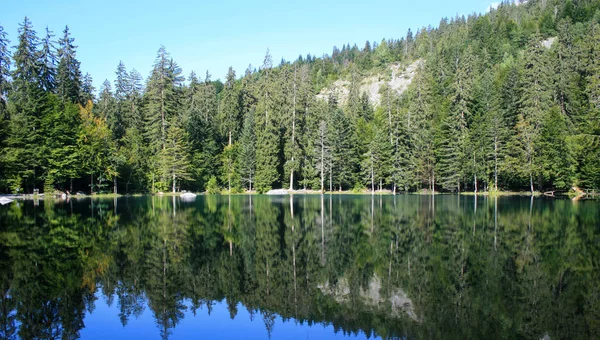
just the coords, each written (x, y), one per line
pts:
(494, 124)
(267, 161)
(403, 163)
(229, 108)
(341, 148)
(68, 78)
(306, 129)
(118, 121)
(376, 163)
(420, 123)
(229, 167)
(87, 88)
(26, 71)
(48, 63)
(4, 87)
(23, 154)
(451, 153)
(247, 156)
(61, 126)
(4, 72)
(107, 108)
(162, 97)
(567, 77)
(586, 142)
(535, 103)
(133, 116)
(203, 134)
(174, 157)
(455, 148)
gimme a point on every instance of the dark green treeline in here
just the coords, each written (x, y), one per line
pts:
(509, 100)
(406, 267)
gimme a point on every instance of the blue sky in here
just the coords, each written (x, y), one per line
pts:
(217, 34)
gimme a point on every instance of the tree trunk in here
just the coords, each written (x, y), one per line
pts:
(432, 182)
(330, 176)
(174, 178)
(162, 117)
(372, 180)
(115, 185)
(293, 132)
(496, 164)
(474, 174)
(322, 164)
(531, 182)
(92, 183)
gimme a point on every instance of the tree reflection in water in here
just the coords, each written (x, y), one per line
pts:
(389, 266)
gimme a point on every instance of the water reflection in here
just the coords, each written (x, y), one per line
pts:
(388, 266)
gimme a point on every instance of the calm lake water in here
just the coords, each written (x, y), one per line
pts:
(307, 267)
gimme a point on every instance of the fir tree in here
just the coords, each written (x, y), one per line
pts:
(229, 110)
(4, 70)
(68, 74)
(267, 135)
(340, 141)
(48, 63)
(247, 156)
(174, 157)
(162, 96)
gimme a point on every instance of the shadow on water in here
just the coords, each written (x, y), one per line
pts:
(385, 266)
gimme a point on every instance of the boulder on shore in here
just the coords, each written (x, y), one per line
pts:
(4, 200)
(278, 192)
(188, 195)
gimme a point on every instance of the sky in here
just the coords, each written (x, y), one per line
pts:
(214, 35)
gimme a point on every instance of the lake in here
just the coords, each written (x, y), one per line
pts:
(301, 267)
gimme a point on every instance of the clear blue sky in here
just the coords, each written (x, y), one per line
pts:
(217, 34)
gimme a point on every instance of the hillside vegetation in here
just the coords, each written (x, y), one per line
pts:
(508, 100)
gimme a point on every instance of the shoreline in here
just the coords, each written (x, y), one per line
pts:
(285, 192)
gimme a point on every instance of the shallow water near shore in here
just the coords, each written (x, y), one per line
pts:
(300, 267)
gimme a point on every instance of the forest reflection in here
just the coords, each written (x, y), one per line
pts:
(404, 266)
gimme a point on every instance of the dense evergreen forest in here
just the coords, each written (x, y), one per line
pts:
(509, 100)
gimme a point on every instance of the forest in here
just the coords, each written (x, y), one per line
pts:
(506, 100)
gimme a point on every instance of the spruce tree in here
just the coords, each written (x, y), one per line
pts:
(247, 156)
(162, 98)
(4, 73)
(267, 161)
(174, 160)
(48, 63)
(420, 125)
(229, 108)
(203, 133)
(23, 154)
(68, 74)
(87, 88)
(535, 103)
(341, 148)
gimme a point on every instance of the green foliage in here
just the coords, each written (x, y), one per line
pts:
(212, 187)
(508, 99)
